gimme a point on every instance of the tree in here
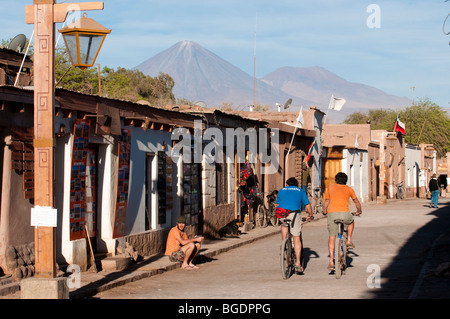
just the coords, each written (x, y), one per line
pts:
(380, 119)
(130, 85)
(426, 122)
(124, 84)
(74, 79)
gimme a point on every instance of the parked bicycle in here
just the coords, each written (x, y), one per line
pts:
(265, 215)
(400, 191)
(340, 249)
(318, 201)
(261, 213)
(287, 254)
(272, 211)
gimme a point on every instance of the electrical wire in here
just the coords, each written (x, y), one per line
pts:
(443, 26)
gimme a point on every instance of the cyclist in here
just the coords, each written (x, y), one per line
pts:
(337, 197)
(292, 198)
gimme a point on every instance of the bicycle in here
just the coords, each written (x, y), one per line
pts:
(340, 249)
(261, 216)
(261, 212)
(318, 201)
(287, 254)
(265, 215)
(271, 212)
(400, 191)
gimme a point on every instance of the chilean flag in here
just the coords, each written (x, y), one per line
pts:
(399, 126)
(310, 151)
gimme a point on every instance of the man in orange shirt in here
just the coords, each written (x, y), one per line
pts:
(337, 197)
(180, 248)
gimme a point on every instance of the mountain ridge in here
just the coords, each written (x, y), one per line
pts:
(201, 75)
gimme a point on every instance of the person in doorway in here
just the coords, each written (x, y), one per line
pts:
(442, 179)
(433, 186)
(180, 248)
(292, 198)
(336, 206)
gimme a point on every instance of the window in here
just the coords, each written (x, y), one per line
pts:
(221, 183)
(149, 189)
(352, 175)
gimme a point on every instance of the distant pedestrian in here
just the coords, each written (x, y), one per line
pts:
(433, 186)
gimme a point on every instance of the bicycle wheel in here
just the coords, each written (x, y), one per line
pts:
(273, 216)
(338, 257)
(261, 220)
(320, 207)
(286, 257)
(302, 257)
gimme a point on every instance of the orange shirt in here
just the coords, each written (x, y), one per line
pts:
(339, 195)
(172, 240)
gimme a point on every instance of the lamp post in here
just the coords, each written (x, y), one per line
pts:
(84, 38)
(390, 141)
(44, 14)
(429, 151)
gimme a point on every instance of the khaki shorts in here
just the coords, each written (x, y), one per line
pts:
(177, 256)
(333, 228)
(297, 229)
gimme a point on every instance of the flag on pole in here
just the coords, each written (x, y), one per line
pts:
(336, 103)
(399, 126)
(310, 151)
(300, 121)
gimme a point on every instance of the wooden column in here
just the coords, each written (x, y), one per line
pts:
(44, 14)
(44, 105)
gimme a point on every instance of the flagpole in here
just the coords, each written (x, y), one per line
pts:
(292, 139)
(329, 104)
(395, 124)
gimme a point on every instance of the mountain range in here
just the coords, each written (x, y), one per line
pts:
(201, 75)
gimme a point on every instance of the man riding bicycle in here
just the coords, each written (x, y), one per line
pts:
(336, 207)
(292, 198)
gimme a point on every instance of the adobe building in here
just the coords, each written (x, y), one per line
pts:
(346, 149)
(295, 142)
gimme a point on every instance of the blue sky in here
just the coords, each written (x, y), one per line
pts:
(409, 49)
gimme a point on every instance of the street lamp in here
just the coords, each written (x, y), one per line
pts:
(390, 140)
(84, 38)
(43, 14)
(429, 151)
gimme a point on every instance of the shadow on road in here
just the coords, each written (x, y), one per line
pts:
(400, 277)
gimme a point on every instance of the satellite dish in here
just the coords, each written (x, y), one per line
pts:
(201, 104)
(18, 43)
(287, 104)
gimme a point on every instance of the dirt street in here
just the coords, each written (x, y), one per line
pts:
(392, 242)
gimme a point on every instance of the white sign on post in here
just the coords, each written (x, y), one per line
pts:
(42, 216)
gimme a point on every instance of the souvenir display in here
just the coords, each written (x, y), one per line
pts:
(122, 183)
(82, 183)
(191, 192)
